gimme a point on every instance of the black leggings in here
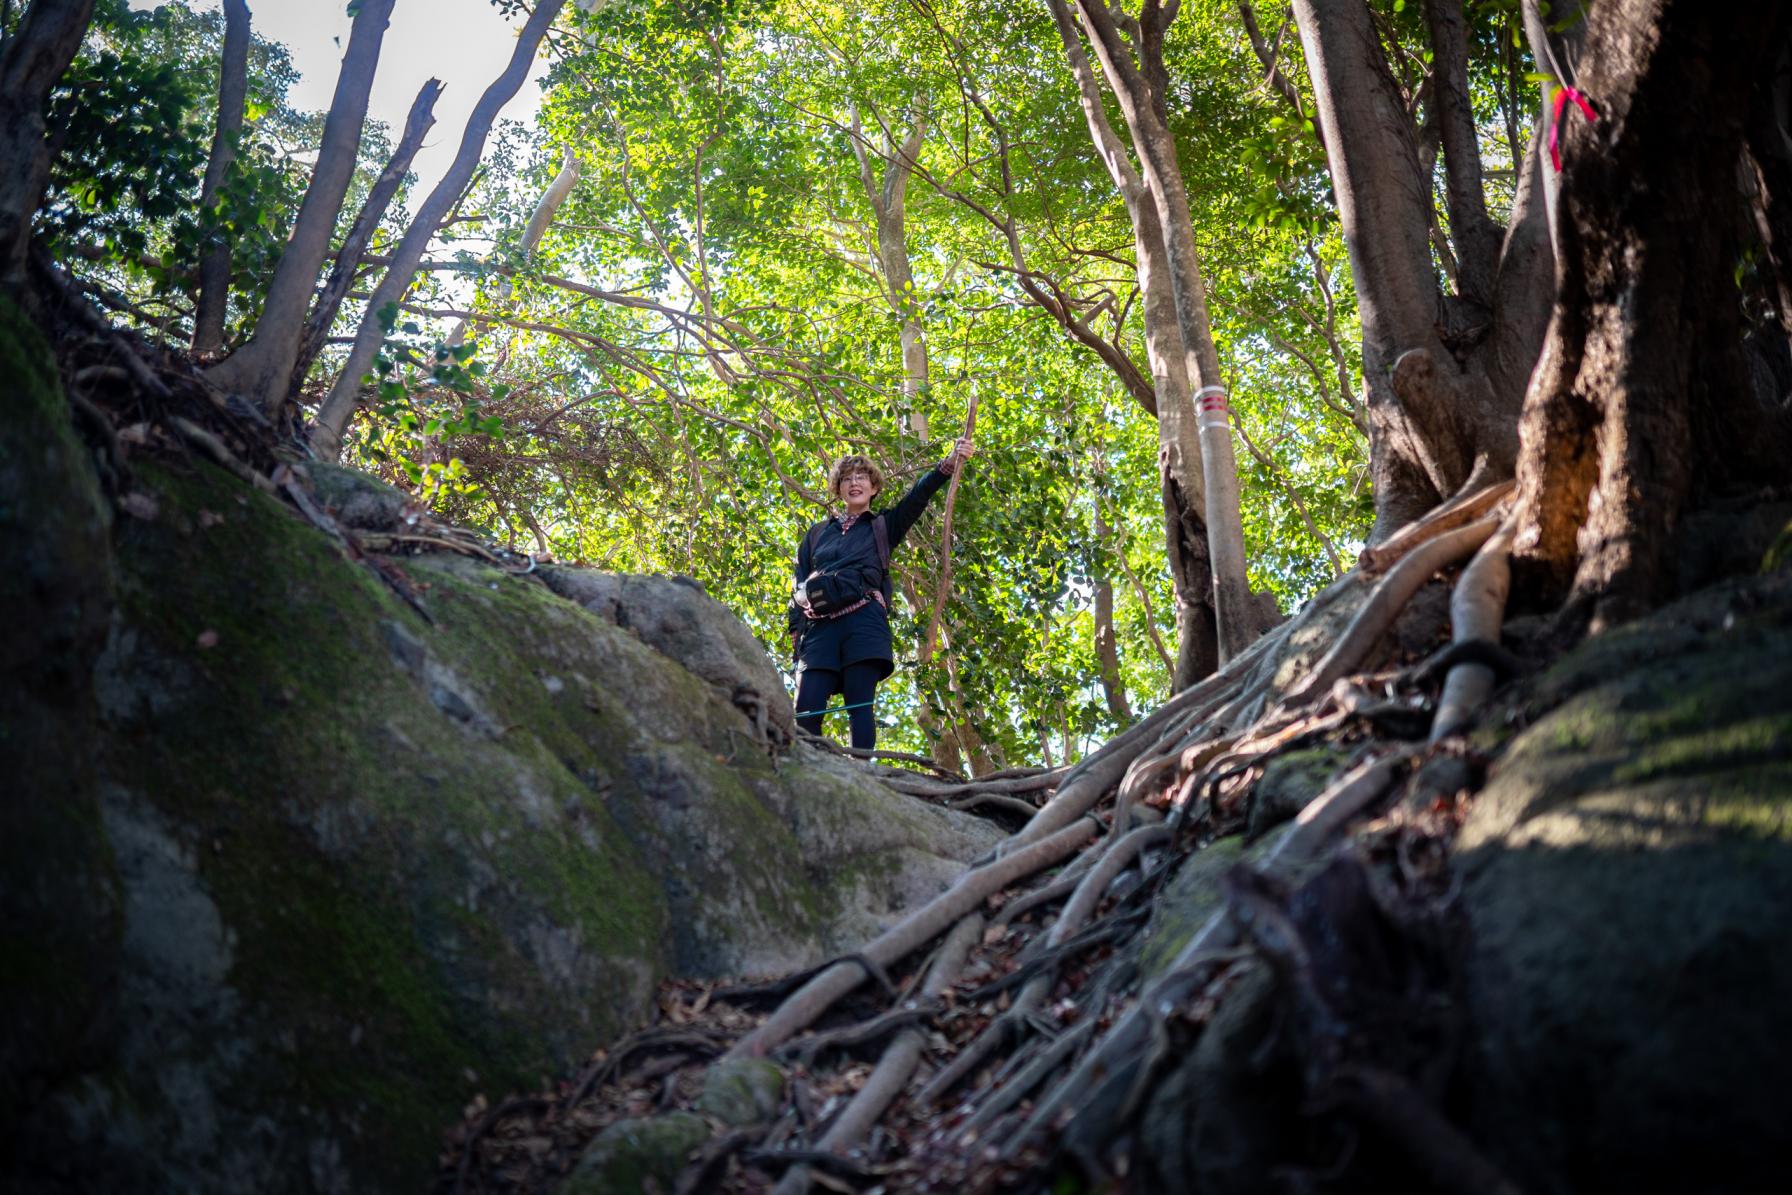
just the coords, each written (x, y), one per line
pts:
(858, 683)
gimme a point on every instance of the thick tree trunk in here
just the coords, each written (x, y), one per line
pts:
(233, 95)
(261, 369)
(1444, 374)
(339, 406)
(1182, 477)
(360, 234)
(1139, 87)
(1622, 420)
(1182, 473)
(48, 35)
(1417, 457)
(1474, 234)
(1768, 172)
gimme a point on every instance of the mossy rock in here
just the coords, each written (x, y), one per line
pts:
(422, 848)
(636, 1157)
(1289, 784)
(1188, 902)
(1628, 873)
(59, 914)
(355, 499)
(742, 1091)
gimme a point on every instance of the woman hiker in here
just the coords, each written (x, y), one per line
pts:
(841, 613)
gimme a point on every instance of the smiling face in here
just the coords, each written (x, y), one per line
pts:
(856, 489)
(855, 481)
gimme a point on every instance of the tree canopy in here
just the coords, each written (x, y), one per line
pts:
(786, 230)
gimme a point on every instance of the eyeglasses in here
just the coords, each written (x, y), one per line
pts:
(846, 477)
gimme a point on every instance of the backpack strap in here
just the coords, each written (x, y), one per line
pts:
(880, 529)
(812, 537)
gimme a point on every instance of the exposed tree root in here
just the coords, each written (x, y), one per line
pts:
(1389, 1104)
(921, 927)
(1401, 582)
(898, 1063)
(1465, 508)
(1476, 609)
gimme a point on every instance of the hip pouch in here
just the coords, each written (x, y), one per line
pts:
(830, 593)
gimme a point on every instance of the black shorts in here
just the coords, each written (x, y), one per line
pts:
(856, 638)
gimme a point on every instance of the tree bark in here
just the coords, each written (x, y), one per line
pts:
(1621, 417)
(1182, 478)
(1444, 374)
(261, 369)
(48, 36)
(350, 256)
(339, 406)
(1475, 235)
(889, 208)
(214, 267)
(1139, 88)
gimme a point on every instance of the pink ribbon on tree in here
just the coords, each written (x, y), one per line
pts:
(1563, 95)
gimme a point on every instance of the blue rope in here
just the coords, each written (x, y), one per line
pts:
(828, 709)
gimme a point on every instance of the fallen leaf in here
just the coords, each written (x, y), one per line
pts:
(140, 505)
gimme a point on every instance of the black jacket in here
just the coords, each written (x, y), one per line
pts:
(851, 557)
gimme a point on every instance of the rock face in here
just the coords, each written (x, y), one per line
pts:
(355, 857)
(1628, 873)
(673, 615)
(58, 897)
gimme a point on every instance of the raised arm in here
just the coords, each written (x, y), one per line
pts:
(902, 516)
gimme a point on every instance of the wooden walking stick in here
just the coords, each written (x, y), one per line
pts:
(931, 640)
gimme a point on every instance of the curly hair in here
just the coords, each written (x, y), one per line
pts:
(854, 464)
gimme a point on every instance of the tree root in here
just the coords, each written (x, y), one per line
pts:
(1395, 589)
(997, 802)
(807, 1049)
(1040, 973)
(1036, 1072)
(214, 448)
(1394, 1108)
(659, 1038)
(897, 1065)
(1459, 511)
(1119, 1050)
(1476, 609)
(920, 927)
(1057, 889)
(700, 1177)
(921, 786)
(470, 1147)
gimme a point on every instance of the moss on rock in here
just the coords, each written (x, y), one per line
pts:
(1190, 899)
(742, 1091)
(1628, 873)
(635, 1156)
(447, 843)
(59, 932)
